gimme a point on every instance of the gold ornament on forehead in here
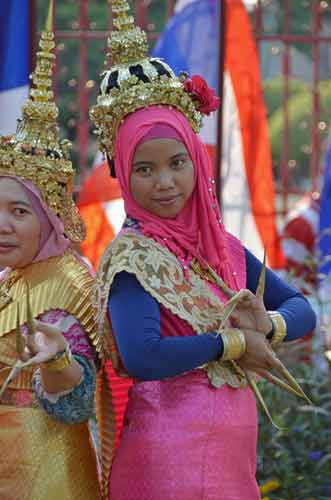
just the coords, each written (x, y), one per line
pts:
(135, 81)
(36, 153)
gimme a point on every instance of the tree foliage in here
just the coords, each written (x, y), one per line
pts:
(300, 106)
(297, 457)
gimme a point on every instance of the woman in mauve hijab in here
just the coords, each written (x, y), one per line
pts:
(47, 320)
(189, 429)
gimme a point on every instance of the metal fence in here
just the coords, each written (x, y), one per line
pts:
(299, 49)
(294, 42)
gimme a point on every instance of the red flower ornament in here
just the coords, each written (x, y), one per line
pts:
(198, 88)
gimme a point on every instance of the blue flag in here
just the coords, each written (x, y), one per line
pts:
(190, 41)
(14, 60)
(325, 219)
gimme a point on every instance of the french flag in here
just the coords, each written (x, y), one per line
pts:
(190, 43)
(14, 61)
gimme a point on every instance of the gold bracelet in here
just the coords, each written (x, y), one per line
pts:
(60, 361)
(279, 326)
(234, 344)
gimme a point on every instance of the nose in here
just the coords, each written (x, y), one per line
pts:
(5, 226)
(165, 180)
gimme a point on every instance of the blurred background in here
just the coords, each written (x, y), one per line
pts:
(294, 46)
(270, 62)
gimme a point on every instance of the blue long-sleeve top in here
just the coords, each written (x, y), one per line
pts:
(135, 317)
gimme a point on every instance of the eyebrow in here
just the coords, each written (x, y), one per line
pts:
(146, 162)
(142, 162)
(183, 153)
(20, 202)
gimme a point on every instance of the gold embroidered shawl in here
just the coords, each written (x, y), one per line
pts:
(161, 275)
(56, 283)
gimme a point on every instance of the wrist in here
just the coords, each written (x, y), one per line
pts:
(234, 344)
(278, 332)
(60, 361)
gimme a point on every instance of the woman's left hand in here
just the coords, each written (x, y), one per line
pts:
(44, 344)
(251, 314)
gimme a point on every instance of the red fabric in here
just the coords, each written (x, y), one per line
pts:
(242, 63)
(212, 154)
(119, 389)
(301, 231)
(198, 230)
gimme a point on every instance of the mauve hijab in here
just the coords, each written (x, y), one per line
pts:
(52, 242)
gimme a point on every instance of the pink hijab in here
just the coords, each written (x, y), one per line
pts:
(52, 242)
(198, 230)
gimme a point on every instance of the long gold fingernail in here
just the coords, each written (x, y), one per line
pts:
(230, 307)
(261, 283)
(292, 381)
(283, 385)
(259, 396)
(20, 342)
(29, 315)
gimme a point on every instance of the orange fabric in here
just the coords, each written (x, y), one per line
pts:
(242, 63)
(98, 229)
(99, 186)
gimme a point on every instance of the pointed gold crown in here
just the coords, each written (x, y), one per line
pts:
(135, 81)
(36, 153)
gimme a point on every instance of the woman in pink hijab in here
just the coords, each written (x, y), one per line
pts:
(190, 427)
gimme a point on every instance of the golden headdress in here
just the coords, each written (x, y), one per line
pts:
(136, 81)
(36, 153)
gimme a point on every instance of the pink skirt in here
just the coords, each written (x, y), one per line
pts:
(185, 440)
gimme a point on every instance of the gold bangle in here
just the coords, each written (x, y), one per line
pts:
(234, 344)
(279, 326)
(60, 361)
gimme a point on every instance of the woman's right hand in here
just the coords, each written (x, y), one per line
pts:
(258, 356)
(251, 314)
